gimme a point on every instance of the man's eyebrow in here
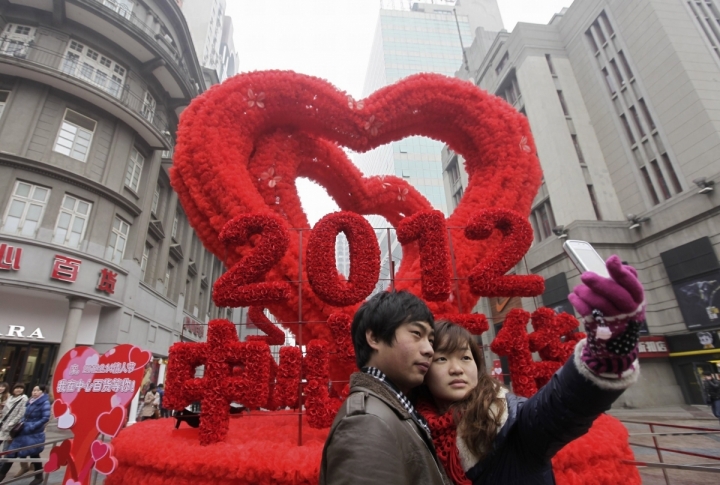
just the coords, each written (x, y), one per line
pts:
(426, 327)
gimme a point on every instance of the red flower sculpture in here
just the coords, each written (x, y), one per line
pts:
(273, 334)
(487, 278)
(364, 259)
(240, 286)
(234, 371)
(321, 408)
(428, 229)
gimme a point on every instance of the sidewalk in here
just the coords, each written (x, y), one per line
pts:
(698, 416)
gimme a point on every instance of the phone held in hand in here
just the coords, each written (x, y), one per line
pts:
(585, 258)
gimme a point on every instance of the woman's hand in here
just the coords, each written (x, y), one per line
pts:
(612, 309)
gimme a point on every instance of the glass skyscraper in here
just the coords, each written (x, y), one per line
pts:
(419, 37)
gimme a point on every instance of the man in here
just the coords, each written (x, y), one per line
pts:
(712, 393)
(377, 436)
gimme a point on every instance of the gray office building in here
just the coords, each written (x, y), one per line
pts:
(94, 247)
(622, 98)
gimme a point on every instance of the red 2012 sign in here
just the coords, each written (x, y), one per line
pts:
(242, 285)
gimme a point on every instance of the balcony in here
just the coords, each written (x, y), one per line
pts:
(66, 73)
(146, 39)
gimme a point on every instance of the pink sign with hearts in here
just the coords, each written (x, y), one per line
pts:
(92, 394)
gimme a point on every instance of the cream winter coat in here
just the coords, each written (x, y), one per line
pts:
(13, 417)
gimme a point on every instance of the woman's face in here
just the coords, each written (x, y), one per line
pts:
(452, 375)
(3, 389)
(17, 391)
(36, 392)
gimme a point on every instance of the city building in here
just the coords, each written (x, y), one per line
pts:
(212, 36)
(622, 101)
(414, 37)
(94, 247)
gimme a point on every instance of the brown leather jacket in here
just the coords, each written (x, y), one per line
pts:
(374, 440)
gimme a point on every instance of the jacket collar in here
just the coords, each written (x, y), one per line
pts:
(359, 381)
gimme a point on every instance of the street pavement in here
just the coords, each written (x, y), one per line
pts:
(696, 416)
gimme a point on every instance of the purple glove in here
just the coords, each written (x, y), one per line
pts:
(612, 309)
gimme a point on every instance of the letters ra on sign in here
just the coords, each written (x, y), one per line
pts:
(18, 331)
(10, 257)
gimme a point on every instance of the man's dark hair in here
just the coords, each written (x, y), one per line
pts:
(382, 315)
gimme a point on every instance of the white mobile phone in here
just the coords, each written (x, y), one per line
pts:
(585, 258)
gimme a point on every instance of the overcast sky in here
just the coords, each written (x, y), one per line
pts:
(331, 39)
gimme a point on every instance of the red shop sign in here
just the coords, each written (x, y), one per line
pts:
(653, 347)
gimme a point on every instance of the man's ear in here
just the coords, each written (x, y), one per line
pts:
(372, 340)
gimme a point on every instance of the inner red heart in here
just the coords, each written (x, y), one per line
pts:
(235, 157)
(59, 408)
(99, 449)
(110, 423)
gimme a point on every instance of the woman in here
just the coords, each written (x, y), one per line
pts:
(149, 403)
(12, 414)
(4, 396)
(37, 415)
(485, 435)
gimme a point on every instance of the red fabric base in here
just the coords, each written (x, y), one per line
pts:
(261, 449)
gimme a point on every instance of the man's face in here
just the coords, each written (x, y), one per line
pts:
(407, 361)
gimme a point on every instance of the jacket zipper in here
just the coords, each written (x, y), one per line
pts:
(412, 425)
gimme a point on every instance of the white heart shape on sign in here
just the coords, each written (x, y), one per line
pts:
(66, 421)
(93, 359)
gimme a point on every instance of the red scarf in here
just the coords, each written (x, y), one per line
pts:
(444, 435)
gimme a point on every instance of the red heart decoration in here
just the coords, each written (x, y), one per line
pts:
(99, 450)
(59, 407)
(140, 357)
(110, 423)
(59, 456)
(107, 464)
(236, 156)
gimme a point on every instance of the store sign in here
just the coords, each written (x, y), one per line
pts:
(18, 331)
(107, 281)
(194, 327)
(65, 268)
(653, 347)
(695, 341)
(10, 257)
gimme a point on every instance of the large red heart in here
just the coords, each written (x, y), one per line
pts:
(243, 143)
(110, 423)
(59, 456)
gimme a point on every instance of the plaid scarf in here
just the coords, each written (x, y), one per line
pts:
(380, 375)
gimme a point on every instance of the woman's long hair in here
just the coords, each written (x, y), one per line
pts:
(6, 393)
(477, 423)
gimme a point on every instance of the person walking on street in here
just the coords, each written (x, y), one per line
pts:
(12, 414)
(712, 393)
(4, 395)
(164, 413)
(149, 406)
(37, 415)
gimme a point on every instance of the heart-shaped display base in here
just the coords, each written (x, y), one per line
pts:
(263, 450)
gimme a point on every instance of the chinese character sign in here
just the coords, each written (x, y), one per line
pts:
(107, 281)
(92, 394)
(65, 268)
(10, 258)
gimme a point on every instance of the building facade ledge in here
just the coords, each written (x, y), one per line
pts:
(66, 176)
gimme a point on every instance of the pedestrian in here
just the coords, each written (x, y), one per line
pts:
(37, 415)
(711, 385)
(164, 413)
(487, 435)
(4, 395)
(149, 406)
(377, 436)
(12, 414)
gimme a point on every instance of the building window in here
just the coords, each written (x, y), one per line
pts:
(550, 64)
(671, 172)
(166, 281)
(458, 197)
(543, 220)
(16, 40)
(75, 136)
(134, 170)
(148, 107)
(593, 199)
(72, 222)
(144, 261)
(646, 113)
(636, 119)
(3, 99)
(609, 81)
(118, 239)
(578, 150)
(625, 64)
(176, 223)
(617, 72)
(502, 63)
(155, 201)
(649, 186)
(89, 65)
(25, 209)
(708, 20)
(122, 7)
(562, 103)
(628, 130)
